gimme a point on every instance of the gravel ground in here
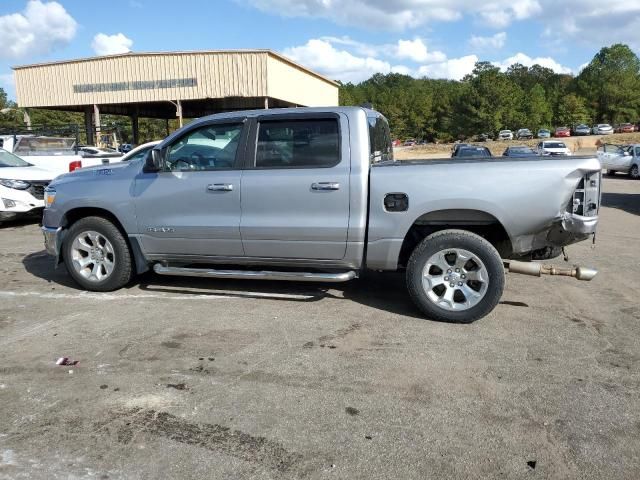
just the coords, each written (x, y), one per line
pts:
(178, 378)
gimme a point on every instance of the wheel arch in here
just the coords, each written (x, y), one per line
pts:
(479, 222)
(75, 214)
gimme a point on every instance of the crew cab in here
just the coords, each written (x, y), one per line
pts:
(620, 158)
(314, 194)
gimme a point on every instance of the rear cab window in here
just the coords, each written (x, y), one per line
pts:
(381, 149)
(298, 143)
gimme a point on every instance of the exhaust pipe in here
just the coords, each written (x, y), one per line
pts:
(537, 270)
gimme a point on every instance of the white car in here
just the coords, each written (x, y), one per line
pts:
(602, 129)
(620, 158)
(553, 148)
(505, 135)
(21, 186)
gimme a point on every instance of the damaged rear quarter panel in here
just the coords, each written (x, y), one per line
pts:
(527, 196)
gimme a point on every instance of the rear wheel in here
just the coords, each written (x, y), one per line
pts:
(610, 173)
(455, 276)
(634, 172)
(97, 255)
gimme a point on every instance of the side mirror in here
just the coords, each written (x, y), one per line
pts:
(626, 154)
(153, 161)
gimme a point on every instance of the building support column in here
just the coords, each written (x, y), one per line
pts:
(88, 125)
(266, 103)
(96, 121)
(178, 106)
(27, 118)
(134, 129)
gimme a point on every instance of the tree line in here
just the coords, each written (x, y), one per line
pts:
(488, 100)
(485, 101)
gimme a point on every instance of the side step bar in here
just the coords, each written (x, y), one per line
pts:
(255, 275)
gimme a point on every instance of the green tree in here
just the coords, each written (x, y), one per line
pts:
(572, 110)
(611, 84)
(538, 111)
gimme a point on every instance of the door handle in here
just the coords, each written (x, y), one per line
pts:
(325, 186)
(220, 187)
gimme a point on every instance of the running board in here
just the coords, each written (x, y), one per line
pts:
(255, 275)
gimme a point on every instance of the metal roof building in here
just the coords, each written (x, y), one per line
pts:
(171, 84)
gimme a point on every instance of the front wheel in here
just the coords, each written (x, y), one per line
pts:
(97, 255)
(634, 172)
(455, 276)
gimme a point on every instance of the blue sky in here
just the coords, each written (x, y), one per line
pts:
(348, 40)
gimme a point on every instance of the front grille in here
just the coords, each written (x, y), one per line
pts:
(37, 189)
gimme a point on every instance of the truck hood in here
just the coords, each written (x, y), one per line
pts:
(26, 173)
(105, 170)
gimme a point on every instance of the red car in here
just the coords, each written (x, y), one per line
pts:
(562, 132)
(625, 128)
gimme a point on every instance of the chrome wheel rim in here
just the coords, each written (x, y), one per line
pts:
(634, 172)
(92, 256)
(455, 279)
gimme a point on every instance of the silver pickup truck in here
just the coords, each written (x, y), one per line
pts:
(315, 195)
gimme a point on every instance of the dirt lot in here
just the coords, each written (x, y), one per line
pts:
(216, 379)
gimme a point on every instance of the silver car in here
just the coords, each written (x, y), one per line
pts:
(602, 129)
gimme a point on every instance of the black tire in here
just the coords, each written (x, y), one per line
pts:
(634, 172)
(122, 264)
(452, 239)
(610, 173)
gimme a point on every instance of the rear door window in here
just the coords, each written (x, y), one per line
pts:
(300, 143)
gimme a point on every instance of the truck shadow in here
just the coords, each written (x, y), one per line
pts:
(629, 202)
(382, 291)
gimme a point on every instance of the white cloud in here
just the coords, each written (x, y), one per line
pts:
(38, 30)
(322, 56)
(589, 22)
(104, 44)
(416, 50)
(527, 61)
(404, 14)
(451, 69)
(595, 23)
(494, 42)
(349, 60)
(500, 13)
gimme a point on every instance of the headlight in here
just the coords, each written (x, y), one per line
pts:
(17, 184)
(49, 196)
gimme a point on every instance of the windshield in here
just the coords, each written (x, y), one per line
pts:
(140, 154)
(45, 146)
(473, 152)
(505, 132)
(10, 160)
(554, 145)
(522, 150)
(543, 131)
